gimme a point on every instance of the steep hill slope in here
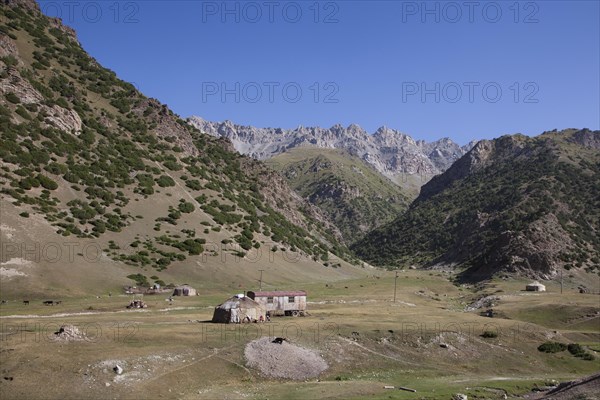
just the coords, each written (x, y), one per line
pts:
(351, 192)
(513, 204)
(89, 162)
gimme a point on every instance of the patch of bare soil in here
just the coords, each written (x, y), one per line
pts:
(285, 360)
(134, 370)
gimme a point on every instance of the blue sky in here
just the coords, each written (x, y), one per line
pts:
(464, 70)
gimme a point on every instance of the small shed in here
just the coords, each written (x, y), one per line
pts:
(291, 302)
(239, 309)
(184, 290)
(535, 287)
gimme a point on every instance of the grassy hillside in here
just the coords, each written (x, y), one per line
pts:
(353, 194)
(514, 204)
(87, 159)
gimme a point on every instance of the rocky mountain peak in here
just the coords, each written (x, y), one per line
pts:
(392, 137)
(355, 128)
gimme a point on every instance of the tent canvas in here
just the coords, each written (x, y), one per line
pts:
(184, 290)
(535, 287)
(238, 310)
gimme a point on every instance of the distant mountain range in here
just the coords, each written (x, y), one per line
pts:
(389, 151)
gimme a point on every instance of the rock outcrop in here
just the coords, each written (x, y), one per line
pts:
(56, 116)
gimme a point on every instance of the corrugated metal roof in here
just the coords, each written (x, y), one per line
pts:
(278, 293)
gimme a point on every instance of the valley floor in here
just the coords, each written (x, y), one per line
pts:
(424, 341)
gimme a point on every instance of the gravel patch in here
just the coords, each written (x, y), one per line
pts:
(286, 360)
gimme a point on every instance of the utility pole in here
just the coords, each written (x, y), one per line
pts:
(395, 285)
(260, 280)
(561, 281)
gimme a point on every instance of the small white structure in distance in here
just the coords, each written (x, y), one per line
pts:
(535, 287)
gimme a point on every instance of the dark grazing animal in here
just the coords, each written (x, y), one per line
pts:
(49, 303)
(26, 302)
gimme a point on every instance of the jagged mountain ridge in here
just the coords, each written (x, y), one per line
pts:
(514, 204)
(389, 151)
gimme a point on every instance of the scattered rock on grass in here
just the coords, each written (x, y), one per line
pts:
(69, 332)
